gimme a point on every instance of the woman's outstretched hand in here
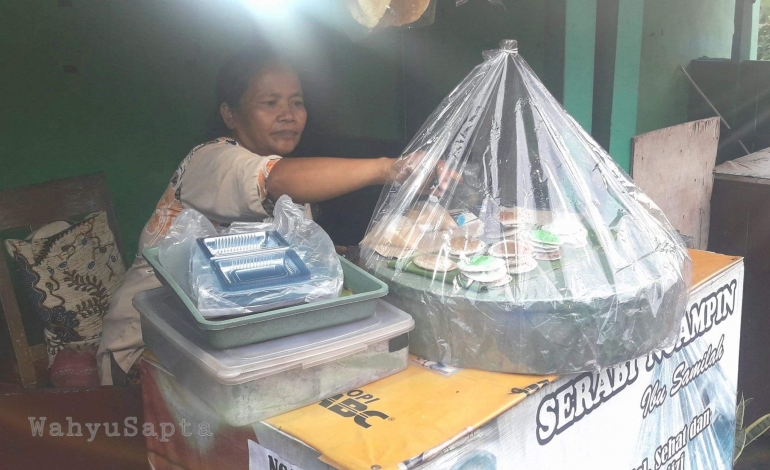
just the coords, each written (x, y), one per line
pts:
(402, 168)
(310, 180)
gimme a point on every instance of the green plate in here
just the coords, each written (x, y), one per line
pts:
(264, 326)
(545, 237)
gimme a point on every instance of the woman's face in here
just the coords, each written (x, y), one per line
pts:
(271, 115)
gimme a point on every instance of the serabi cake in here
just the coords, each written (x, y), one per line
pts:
(463, 247)
(435, 263)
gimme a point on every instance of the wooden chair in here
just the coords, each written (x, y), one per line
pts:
(32, 207)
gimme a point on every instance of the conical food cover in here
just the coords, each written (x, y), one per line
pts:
(517, 243)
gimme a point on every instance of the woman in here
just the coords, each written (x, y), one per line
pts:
(237, 177)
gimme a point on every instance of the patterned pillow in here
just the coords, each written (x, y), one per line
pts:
(68, 279)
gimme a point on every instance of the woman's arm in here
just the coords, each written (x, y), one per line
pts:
(308, 180)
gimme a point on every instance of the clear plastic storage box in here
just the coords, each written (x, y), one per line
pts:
(251, 383)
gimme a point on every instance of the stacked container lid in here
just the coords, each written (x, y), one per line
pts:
(293, 316)
(251, 367)
(253, 382)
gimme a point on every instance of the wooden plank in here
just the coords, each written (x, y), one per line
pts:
(674, 167)
(15, 326)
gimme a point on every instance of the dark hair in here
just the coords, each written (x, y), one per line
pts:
(233, 81)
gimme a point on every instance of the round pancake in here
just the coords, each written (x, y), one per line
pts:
(515, 216)
(432, 242)
(517, 237)
(433, 216)
(510, 249)
(435, 263)
(510, 218)
(461, 246)
(509, 231)
(480, 264)
(519, 260)
(524, 266)
(544, 248)
(548, 256)
(517, 263)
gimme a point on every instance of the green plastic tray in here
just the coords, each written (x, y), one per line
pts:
(264, 326)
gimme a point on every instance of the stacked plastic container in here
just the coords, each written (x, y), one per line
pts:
(251, 367)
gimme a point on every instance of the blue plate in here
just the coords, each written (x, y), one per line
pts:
(241, 243)
(270, 268)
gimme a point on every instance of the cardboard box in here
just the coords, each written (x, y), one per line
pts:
(672, 410)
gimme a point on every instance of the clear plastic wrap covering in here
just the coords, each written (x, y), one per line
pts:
(517, 243)
(180, 253)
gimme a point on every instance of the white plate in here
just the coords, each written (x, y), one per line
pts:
(522, 268)
(487, 277)
(501, 283)
(492, 265)
(434, 263)
(391, 252)
(548, 256)
(466, 252)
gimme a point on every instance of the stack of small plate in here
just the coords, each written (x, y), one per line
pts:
(569, 230)
(545, 245)
(462, 247)
(435, 263)
(514, 221)
(390, 251)
(517, 254)
(487, 270)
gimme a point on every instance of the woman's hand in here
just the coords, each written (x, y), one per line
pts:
(310, 180)
(402, 168)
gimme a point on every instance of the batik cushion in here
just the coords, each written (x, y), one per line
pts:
(68, 279)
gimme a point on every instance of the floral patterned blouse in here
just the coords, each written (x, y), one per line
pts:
(220, 179)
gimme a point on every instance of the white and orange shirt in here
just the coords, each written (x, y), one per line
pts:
(220, 179)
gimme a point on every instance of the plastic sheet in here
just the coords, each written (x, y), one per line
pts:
(181, 254)
(517, 243)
